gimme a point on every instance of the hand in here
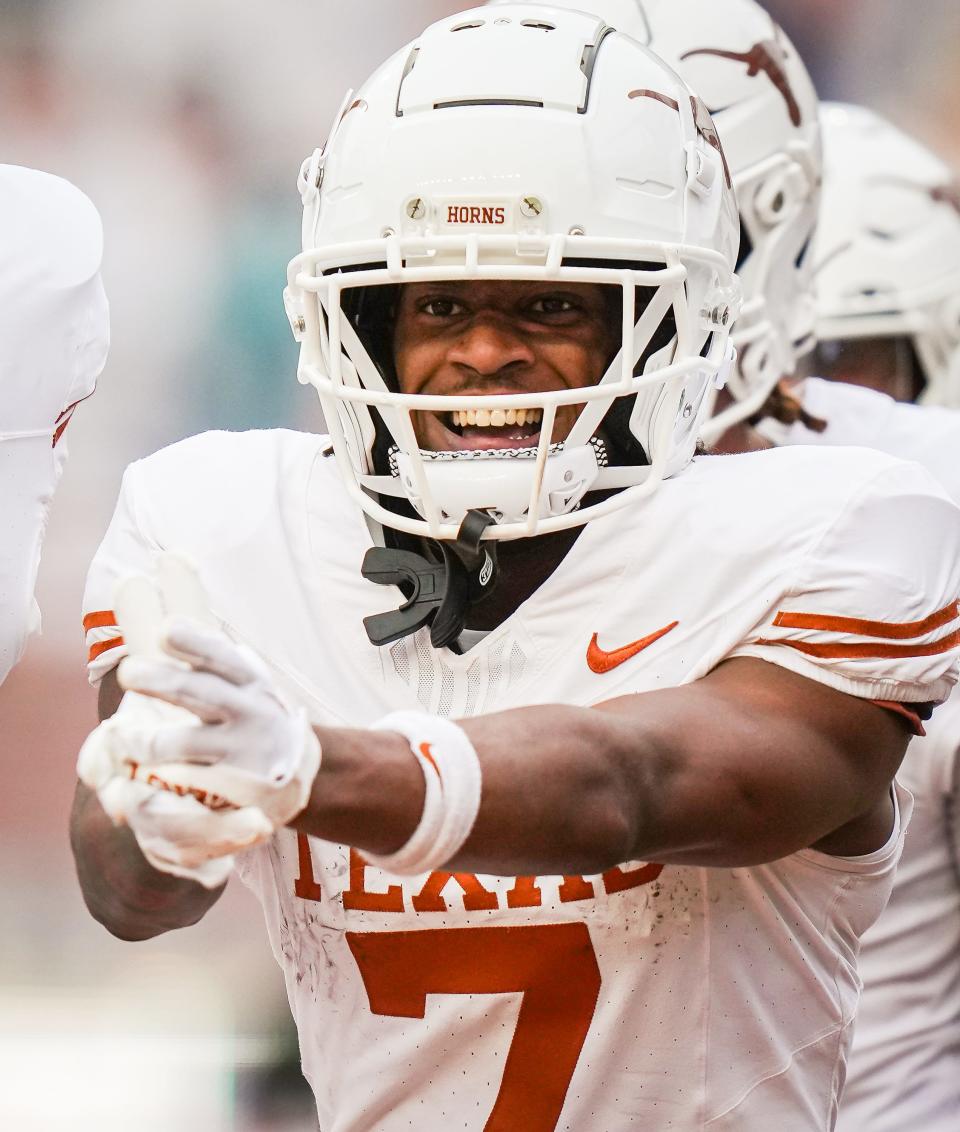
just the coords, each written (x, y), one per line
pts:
(246, 745)
(176, 832)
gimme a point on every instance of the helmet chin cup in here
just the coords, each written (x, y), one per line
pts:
(500, 484)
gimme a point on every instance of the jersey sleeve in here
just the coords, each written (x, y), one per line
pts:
(873, 607)
(126, 549)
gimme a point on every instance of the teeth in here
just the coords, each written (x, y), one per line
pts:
(496, 418)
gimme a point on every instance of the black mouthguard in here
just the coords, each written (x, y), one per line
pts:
(438, 594)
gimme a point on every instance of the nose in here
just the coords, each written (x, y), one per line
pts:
(489, 345)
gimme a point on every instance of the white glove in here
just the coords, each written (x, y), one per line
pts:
(177, 833)
(181, 830)
(250, 748)
(180, 836)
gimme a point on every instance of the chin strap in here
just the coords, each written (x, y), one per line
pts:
(438, 594)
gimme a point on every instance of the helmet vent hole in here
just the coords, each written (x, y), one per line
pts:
(469, 26)
(538, 25)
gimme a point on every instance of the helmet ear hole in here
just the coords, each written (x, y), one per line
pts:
(773, 200)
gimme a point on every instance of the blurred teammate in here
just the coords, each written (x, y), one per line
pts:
(579, 906)
(887, 257)
(54, 336)
(887, 264)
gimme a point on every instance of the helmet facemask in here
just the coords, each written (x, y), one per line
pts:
(654, 388)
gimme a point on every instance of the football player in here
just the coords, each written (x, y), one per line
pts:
(625, 887)
(887, 261)
(54, 335)
(887, 270)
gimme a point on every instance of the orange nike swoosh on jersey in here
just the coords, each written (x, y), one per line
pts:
(600, 660)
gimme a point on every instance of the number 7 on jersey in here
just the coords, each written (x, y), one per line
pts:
(554, 966)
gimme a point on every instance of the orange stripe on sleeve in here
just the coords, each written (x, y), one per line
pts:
(889, 630)
(104, 619)
(845, 650)
(103, 646)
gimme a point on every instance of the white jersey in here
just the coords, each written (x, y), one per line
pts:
(905, 1066)
(651, 996)
(53, 344)
(905, 1070)
(863, 417)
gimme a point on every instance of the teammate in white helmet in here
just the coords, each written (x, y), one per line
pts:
(887, 267)
(625, 888)
(887, 258)
(54, 335)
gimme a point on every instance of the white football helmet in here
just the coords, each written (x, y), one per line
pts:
(526, 144)
(887, 254)
(741, 63)
(54, 338)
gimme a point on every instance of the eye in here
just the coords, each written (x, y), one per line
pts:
(440, 307)
(553, 304)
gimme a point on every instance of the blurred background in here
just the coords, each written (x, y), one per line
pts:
(186, 123)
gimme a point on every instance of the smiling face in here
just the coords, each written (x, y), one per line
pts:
(494, 338)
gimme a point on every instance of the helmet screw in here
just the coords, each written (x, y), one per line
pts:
(387, 233)
(416, 209)
(531, 206)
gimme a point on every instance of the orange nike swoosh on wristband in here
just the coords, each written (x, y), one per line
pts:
(426, 749)
(600, 660)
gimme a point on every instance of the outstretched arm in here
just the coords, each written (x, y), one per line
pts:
(747, 765)
(751, 763)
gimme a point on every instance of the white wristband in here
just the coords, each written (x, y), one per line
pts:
(451, 772)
